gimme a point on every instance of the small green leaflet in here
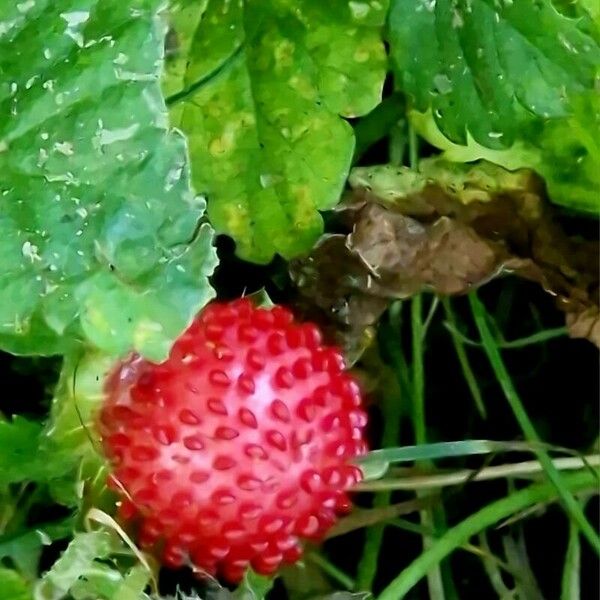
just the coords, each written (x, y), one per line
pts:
(489, 67)
(13, 586)
(259, 88)
(24, 457)
(108, 583)
(253, 587)
(23, 548)
(78, 560)
(100, 232)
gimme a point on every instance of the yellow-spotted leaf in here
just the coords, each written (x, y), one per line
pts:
(261, 89)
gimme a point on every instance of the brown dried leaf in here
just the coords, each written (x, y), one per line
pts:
(406, 255)
(585, 324)
(447, 229)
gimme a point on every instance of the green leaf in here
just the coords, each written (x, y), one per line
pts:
(487, 68)
(99, 582)
(13, 586)
(100, 233)
(520, 154)
(19, 448)
(579, 8)
(253, 587)
(76, 561)
(592, 7)
(24, 547)
(23, 552)
(23, 458)
(133, 585)
(570, 155)
(564, 151)
(260, 102)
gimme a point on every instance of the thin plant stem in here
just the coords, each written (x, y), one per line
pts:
(463, 359)
(430, 314)
(394, 349)
(535, 338)
(368, 517)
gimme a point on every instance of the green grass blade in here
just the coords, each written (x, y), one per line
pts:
(539, 337)
(378, 460)
(418, 372)
(484, 518)
(368, 517)
(570, 585)
(376, 463)
(332, 570)
(407, 525)
(408, 480)
(367, 566)
(463, 358)
(493, 568)
(430, 518)
(536, 338)
(570, 504)
(393, 348)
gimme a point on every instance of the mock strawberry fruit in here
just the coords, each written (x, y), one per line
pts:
(238, 445)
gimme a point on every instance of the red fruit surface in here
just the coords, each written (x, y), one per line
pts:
(239, 445)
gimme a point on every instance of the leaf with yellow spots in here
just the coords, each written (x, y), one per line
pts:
(262, 102)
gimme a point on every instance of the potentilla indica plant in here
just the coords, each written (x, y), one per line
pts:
(230, 231)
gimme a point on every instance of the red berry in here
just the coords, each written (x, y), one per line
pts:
(238, 445)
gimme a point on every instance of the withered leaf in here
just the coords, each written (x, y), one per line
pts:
(448, 229)
(406, 255)
(585, 324)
